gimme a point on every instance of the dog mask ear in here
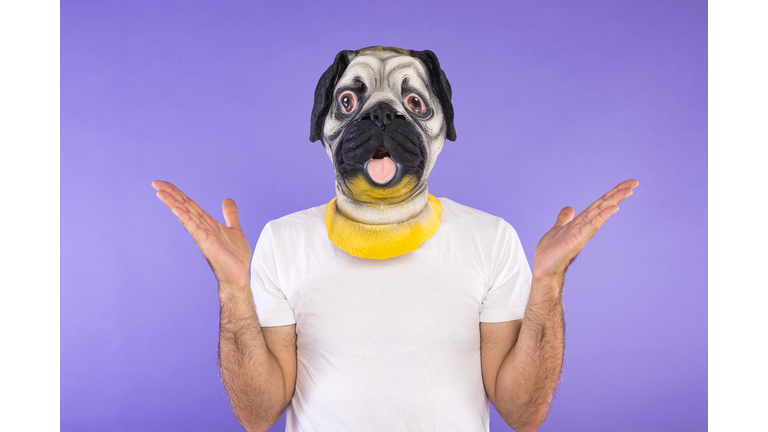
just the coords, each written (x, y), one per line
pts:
(441, 86)
(324, 93)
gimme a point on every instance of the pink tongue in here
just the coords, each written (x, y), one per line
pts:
(381, 170)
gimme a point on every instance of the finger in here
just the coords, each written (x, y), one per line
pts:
(193, 207)
(195, 220)
(173, 203)
(565, 216)
(178, 194)
(184, 196)
(588, 230)
(170, 189)
(192, 225)
(168, 199)
(184, 201)
(614, 196)
(198, 227)
(614, 199)
(231, 218)
(627, 184)
(163, 185)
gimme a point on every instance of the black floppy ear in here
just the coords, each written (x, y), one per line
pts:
(324, 93)
(441, 86)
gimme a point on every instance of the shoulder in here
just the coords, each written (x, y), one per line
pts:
(295, 233)
(483, 236)
(309, 219)
(465, 218)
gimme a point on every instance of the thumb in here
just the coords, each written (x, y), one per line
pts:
(565, 216)
(229, 209)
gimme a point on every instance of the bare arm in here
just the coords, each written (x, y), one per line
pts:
(522, 360)
(526, 357)
(258, 365)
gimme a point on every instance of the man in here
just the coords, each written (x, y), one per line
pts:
(388, 309)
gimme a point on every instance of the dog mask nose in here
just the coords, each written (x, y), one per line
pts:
(381, 114)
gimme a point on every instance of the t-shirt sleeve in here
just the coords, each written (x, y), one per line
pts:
(272, 307)
(510, 279)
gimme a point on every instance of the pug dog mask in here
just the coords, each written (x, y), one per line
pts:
(383, 115)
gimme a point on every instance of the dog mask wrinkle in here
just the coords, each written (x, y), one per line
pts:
(327, 83)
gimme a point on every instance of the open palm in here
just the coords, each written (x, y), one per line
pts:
(224, 246)
(560, 245)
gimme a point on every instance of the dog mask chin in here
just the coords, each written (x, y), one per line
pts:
(382, 115)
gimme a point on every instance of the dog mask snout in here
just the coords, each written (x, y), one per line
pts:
(381, 114)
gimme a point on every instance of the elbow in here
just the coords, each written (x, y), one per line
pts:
(252, 426)
(526, 427)
(256, 424)
(256, 416)
(528, 419)
(256, 427)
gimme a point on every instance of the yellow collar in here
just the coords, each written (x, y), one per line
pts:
(382, 241)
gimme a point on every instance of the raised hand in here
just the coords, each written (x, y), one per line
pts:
(560, 245)
(223, 246)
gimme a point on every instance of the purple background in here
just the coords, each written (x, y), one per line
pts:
(556, 102)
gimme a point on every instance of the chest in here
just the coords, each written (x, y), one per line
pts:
(428, 299)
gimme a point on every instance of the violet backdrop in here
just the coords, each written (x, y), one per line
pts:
(556, 102)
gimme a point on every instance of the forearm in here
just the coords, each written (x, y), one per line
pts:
(251, 374)
(530, 372)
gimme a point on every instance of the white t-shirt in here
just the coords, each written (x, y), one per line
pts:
(390, 345)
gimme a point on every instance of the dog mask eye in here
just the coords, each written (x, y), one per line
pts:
(347, 102)
(414, 103)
